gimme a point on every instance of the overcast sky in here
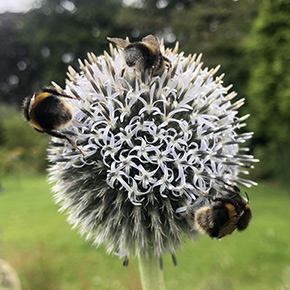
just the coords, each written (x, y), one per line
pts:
(15, 5)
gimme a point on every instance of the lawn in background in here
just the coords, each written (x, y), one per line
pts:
(36, 239)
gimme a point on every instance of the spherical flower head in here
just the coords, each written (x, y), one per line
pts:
(153, 147)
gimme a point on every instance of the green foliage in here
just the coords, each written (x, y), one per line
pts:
(215, 28)
(47, 254)
(37, 47)
(269, 88)
(21, 148)
(47, 39)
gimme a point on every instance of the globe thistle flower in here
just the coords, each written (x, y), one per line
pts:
(153, 149)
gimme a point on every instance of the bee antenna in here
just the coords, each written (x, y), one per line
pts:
(247, 197)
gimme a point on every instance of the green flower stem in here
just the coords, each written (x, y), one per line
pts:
(152, 277)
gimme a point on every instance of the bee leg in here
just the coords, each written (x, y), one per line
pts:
(168, 62)
(150, 75)
(122, 72)
(62, 136)
(74, 145)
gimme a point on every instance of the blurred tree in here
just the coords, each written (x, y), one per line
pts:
(63, 31)
(50, 38)
(216, 28)
(269, 88)
(151, 16)
(13, 61)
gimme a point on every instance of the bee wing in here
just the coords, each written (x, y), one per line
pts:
(152, 40)
(119, 41)
(228, 227)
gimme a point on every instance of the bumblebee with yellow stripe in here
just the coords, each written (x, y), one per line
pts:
(224, 216)
(47, 112)
(144, 55)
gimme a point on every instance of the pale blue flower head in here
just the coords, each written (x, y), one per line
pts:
(152, 150)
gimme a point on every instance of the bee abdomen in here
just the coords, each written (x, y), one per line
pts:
(210, 219)
(51, 113)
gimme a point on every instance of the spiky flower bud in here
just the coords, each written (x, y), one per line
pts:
(152, 150)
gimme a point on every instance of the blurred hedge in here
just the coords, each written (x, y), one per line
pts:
(269, 89)
(21, 148)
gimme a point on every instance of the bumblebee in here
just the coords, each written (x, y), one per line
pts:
(144, 55)
(47, 112)
(224, 216)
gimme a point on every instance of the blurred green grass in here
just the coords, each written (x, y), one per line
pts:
(48, 255)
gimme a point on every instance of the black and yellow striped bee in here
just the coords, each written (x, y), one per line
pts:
(47, 112)
(144, 55)
(225, 215)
